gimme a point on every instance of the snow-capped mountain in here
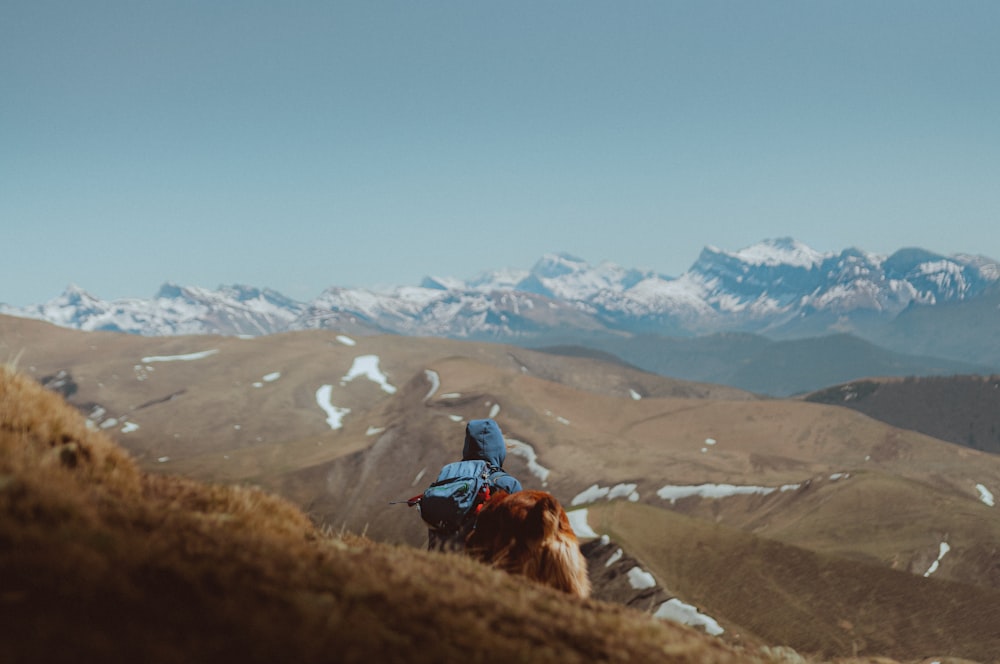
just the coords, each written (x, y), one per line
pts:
(230, 310)
(777, 286)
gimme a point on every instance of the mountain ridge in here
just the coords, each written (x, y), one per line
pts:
(779, 288)
(754, 289)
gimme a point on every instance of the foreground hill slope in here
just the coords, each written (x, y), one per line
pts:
(102, 562)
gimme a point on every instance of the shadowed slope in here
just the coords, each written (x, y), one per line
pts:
(814, 602)
(964, 410)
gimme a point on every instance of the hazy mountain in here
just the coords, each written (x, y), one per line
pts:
(966, 330)
(765, 366)
(229, 310)
(774, 286)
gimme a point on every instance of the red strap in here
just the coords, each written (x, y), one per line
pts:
(485, 494)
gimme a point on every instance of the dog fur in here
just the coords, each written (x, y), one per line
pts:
(528, 533)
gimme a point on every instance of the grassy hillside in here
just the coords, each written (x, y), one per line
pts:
(102, 562)
(816, 602)
(834, 485)
(961, 409)
(220, 404)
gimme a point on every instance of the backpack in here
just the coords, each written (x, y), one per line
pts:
(461, 489)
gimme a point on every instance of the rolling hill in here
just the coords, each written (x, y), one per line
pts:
(778, 368)
(341, 426)
(964, 410)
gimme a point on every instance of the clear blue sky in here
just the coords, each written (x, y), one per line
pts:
(300, 145)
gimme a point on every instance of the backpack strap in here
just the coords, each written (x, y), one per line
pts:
(495, 473)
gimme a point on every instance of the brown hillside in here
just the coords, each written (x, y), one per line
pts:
(250, 395)
(101, 562)
(824, 481)
(583, 439)
(960, 409)
(816, 603)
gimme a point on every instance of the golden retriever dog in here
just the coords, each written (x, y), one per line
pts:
(528, 533)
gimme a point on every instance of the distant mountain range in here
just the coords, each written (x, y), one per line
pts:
(913, 301)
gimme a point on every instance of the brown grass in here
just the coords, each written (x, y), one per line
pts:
(815, 603)
(964, 410)
(101, 562)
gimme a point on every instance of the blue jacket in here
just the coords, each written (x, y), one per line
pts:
(483, 440)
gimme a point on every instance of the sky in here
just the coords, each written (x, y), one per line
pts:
(301, 145)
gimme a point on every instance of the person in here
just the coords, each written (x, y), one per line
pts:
(483, 440)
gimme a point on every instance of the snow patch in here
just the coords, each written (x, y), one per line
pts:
(435, 380)
(367, 366)
(494, 411)
(641, 579)
(635, 395)
(623, 491)
(613, 558)
(180, 358)
(675, 493)
(347, 341)
(985, 495)
(527, 452)
(419, 475)
(129, 427)
(373, 431)
(590, 495)
(267, 378)
(578, 522)
(943, 548)
(677, 611)
(596, 492)
(334, 415)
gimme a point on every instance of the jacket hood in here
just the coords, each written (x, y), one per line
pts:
(483, 440)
